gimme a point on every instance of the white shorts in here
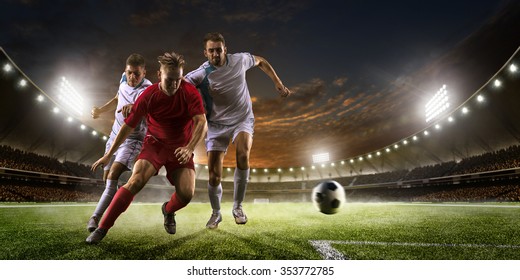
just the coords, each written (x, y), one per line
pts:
(219, 135)
(125, 154)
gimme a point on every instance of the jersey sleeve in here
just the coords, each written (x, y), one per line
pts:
(140, 108)
(196, 76)
(248, 60)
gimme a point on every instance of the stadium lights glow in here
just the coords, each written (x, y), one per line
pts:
(415, 138)
(69, 119)
(426, 132)
(70, 97)
(22, 83)
(105, 138)
(40, 98)
(94, 132)
(351, 160)
(369, 156)
(83, 127)
(323, 157)
(279, 170)
(387, 150)
(405, 142)
(342, 162)
(333, 164)
(437, 104)
(254, 170)
(396, 146)
(451, 119)
(313, 167)
(205, 167)
(360, 158)
(437, 126)
(291, 169)
(265, 170)
(7, 67)
(378, 153)
(513, 68)
(228, 169)
(56, 110)
(465, 110)
(497, 83)
(303, 168)
(480, 98)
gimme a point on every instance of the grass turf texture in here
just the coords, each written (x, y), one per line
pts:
(275, 231)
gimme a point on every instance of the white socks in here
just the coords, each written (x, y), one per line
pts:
(106, 198)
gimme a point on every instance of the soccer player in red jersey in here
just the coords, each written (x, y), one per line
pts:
(176, 120)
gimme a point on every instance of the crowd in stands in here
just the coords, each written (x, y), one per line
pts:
(20, 190)
(21, 160)
(30, 191)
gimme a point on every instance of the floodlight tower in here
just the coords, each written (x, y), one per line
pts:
(70, 98)
(437, 104)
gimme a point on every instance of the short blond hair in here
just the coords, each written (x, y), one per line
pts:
(171, 60)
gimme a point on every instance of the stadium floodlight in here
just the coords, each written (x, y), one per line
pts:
(497, 83)
(56, 110)
(465, 110)
(323, 157)
(451, 119)
(351, 160)
(23, 83)
(69, 97)
(513, 68)
(437, 104)
(8, 67)
(40, 98)
(480, 98)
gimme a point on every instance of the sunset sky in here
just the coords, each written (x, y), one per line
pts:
(360, 71)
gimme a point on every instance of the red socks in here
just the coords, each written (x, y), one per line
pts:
(119, 204)
(174, 204)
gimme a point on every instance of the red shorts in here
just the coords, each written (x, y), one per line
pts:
(159, 155)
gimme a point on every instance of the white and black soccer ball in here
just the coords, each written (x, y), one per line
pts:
(328, 197)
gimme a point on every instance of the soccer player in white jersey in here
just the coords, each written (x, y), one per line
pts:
(132, 84)
(222, 83)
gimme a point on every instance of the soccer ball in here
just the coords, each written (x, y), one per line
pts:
(328, 197)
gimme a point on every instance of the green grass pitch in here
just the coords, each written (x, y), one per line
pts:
(275, 231)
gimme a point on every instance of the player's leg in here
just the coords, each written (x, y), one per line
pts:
(243, 143)
(143, 171)
(123, 160)
(184, 181)
(116, 169)
(215, 160)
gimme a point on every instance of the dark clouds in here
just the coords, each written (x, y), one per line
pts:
(359, 70)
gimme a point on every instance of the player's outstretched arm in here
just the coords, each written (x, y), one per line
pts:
(183, 154)
(120, 138)
(263, 64)
(110, 105)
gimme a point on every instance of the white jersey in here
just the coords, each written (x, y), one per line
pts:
(224, 89)
(128, 95)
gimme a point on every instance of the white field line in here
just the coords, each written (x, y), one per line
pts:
(324, 247)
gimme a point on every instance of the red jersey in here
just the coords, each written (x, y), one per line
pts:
(169, 118)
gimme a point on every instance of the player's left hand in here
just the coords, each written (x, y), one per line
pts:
(126, 110)
(283, 91)
(183, 154)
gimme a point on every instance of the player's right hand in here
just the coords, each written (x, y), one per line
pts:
(126, 110)
(95, 112)
(100, 162)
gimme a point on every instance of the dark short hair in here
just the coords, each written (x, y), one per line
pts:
(171, 60)
(215, 37)
(135, 60)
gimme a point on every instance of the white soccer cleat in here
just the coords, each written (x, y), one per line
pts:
(240, 217)
(213, 221)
